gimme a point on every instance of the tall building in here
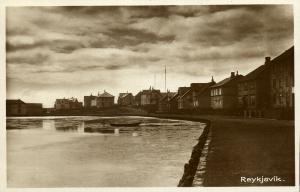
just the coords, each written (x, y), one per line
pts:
(282, 84)
(254, 91)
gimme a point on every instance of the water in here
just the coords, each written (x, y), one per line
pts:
(86, 151)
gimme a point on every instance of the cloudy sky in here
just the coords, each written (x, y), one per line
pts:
(56, 52)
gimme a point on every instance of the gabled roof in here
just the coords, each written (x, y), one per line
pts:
(227, 80)
(288, 54)
(168, 95)
(254, 74)
(174, 97)
(186, 93)
(105, 94)
(201, 87)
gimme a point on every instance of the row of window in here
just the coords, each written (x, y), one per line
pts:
(282, 99)
(215, 92)
(279, 83)
(247, 100)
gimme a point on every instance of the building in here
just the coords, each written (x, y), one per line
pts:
(185, 100)
(201, 95)
(19, 108)
(125, 99)
(34, 108)
(88, 101)
(104, 100)
(15, 107)
(254, 91)
(137, 99)
(164, 102)
(150, 97)
(173, 104)
(67, 104)
(282, 85)
(224, 93)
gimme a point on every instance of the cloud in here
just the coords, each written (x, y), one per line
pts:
(123, 47)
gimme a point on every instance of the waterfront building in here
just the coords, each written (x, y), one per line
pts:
(103, 100)
(137, 99)
(224, 93)
(185, 100)
(150, 97)
(164, 102)
(17, 107)
(201, 95)
(125, 99)
(282, 85)
(34, 108)
(174, 103)
(67, 104)
(88, 101)
(254, 91)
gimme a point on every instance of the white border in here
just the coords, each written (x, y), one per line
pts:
(7, 3)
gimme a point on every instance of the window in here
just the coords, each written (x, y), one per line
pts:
(274, 83)
(252, 100)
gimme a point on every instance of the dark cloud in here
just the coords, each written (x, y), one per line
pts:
(36, 59)
(61, 46)
(11, 47)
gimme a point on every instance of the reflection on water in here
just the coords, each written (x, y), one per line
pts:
(85, 152)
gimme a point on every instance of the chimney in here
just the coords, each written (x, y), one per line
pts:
(237, 72)
(212, 79)
(232, 74)
(267, 60)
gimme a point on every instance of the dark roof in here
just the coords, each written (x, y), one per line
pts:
(288, 54)
(14, 101)
(174, 97)
(227, 80)
(186, 93)
(254, 74)
(201, 87)
(168, 95)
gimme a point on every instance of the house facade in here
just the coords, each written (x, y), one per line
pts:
(282, 84)
(15, 107)
(164, 103)
(185, 101)
(201, 94)
(254, 91)
(125, 99)
(67, 104)
(20, 108)
(150, 97)
(224, 93)
(88, 101)
(103, 100)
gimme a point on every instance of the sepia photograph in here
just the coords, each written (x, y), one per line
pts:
(150, 96)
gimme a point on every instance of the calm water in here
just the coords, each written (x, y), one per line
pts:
(74, 151)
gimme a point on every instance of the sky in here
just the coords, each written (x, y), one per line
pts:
(62, 52)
